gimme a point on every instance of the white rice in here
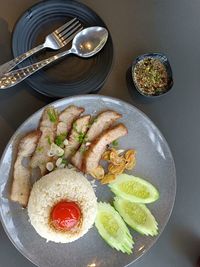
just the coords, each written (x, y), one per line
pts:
(56, 186)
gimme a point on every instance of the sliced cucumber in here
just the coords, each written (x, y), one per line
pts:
(134, 189)
(113, 229)
(136, 215)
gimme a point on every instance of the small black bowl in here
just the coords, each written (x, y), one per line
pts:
(164, 60)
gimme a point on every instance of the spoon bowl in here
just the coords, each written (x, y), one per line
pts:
(89, 41)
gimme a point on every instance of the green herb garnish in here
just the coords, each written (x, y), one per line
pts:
(80, 138)
(53, 116)
(64, 161)
(40, 149)
(115, 143)
(60, 139)
(74, 127)
(48, 139)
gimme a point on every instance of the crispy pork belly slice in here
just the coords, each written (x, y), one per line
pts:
(93, 155)
(21, 185)
(47, 127)
(102, 122)
(66, 118)
(76, 136)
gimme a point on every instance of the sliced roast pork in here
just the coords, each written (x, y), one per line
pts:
(47, 127)
(66, 118)
(21, 185)
(93, 155)
(76, 136)
(103, 121)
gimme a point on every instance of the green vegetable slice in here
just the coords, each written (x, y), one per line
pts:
(134, 189)
(60, 139)
(80, 137)
(137, 216)
(112, 228)
(52, 113)
(115, 143)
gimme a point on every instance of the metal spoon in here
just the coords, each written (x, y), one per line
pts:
(85, 44)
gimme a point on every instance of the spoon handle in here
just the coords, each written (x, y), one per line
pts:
(14, 77)
(6, 67)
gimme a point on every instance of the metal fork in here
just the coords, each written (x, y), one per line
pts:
(56, 40)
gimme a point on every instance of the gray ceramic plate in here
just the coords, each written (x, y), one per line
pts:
(154, 163)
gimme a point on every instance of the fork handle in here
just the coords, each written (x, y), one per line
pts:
(14, 62)
(14, 77)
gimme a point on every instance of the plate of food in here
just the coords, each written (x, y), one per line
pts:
(86, 181)
(73, 75)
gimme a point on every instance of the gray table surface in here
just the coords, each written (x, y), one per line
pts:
(169, 26)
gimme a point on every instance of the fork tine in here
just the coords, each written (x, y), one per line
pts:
(68, 29)
(70, 32)
(71, 37)
(61, 28)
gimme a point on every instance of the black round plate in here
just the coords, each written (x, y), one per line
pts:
(72, 75)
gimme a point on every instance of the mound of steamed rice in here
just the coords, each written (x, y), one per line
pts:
(63, 184)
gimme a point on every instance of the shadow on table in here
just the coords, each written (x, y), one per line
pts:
(6, 55)
(188, 243)
(18, 91)
(5, 42)
(44, 98)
